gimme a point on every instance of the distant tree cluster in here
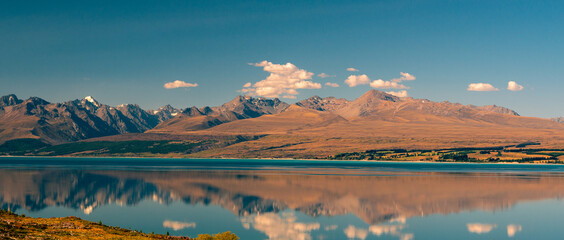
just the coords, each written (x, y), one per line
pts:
(457, 157)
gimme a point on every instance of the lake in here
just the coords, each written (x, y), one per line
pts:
(293, 199)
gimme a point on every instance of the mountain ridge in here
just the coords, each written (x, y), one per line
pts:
(87, 118)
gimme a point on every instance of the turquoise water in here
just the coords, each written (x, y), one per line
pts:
(293, 199)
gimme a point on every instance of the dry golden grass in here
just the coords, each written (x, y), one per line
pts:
(14, 226)
(299, 132)
(300, 146)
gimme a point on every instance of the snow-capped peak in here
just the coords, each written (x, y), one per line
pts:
(92, 100)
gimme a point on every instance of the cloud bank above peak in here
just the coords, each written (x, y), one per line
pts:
(283, 81)
(355, 80)
(400, 94)
(404, 77)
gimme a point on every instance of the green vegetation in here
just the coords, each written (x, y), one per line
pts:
(132, 148)
(522, 145)
(489, 154)
(21, 146)
(28, 147)
(454, 156)
(527, 152)
(13, 226)
(108, 147)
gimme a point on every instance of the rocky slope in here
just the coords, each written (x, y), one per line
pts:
(69, 121)
(330, 104)
(241, 107)
(377, 104)
(374, 114)
(87, 118)
(9, 100)
(165, 112)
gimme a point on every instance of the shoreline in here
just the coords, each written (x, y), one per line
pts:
(288, 159)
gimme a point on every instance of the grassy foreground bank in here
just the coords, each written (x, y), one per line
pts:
(14, 226)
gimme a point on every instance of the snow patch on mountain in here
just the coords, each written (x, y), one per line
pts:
(92, 100)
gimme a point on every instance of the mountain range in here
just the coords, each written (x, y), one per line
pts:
(377, 117)
(87, 118)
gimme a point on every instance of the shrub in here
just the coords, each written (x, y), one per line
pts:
(220, 236)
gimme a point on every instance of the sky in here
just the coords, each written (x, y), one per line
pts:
(199, 53)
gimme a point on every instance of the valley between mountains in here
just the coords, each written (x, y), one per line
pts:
(375, 126)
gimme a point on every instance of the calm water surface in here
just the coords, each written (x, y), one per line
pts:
(288, 199)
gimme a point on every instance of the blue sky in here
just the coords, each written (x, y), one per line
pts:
(124, 52)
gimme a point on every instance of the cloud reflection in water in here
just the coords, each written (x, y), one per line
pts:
(353, 232)
(480, 228)
(175, 225)
(512, 229)
(280, 226)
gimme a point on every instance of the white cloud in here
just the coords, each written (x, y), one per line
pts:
(481, 87)
(352, 69)
(512, 229)
(353, 233)
(330, 84)
(284, 79)
(354, 80)
(324, 75)
(280, 226)
(513, 86)
(179, 84)
(247, 85)
(480, 228)
(289, 96)
(404, 77)
(400, 94)
(386, 84)
(394, 83)
(175, 225)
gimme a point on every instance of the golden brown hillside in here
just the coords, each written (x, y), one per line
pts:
(321, 127)
(377, 120)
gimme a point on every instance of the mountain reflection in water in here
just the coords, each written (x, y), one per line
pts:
(289, 203)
